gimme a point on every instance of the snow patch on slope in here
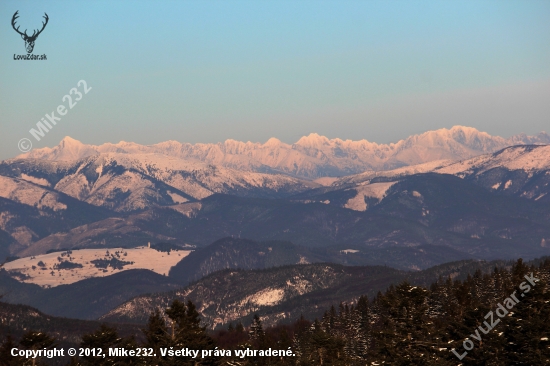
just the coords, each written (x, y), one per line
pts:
(528, 158)
(403, 171)
(267, 297)
(29, 194)
(347, 251)
(39, 181)
(374, 190)
(176, 197)
(326, 181)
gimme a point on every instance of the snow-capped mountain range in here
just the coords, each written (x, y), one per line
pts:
(311, 156)
(126, 177)
(77, 195)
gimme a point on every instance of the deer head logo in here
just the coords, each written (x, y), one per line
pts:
(29, 40)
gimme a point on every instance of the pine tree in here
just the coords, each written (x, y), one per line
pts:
(176, 313)
(6, 359)
(527, 328)
(239, 328)
(300, 341)
(332, 317)
(36, 340)
(104, 338)
(197, 336)
(156, 335)
(256, 333)
(362, 328)
(187, 332)
(326, 349)
(405, 335)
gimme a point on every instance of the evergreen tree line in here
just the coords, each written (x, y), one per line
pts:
(409, 325)
(406, 325)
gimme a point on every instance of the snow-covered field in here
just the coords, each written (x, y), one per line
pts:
(373, 190)
(52, 269)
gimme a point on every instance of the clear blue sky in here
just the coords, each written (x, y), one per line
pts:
(205, 71)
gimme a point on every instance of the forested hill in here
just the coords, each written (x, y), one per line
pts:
(501, 318)
(281, 294)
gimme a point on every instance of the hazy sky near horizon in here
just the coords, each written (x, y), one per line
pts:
(206, 71)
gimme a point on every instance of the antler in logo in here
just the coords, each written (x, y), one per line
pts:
(29, 40)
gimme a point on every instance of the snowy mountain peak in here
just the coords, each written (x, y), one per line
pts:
(68, 149)
(313, 140)
(466, 130)
(69, 142)
(273, 142)
(461, 134)
(170, 147)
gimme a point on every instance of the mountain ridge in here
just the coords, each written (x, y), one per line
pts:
(521, 170)
(282, 294)
(312, 156)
